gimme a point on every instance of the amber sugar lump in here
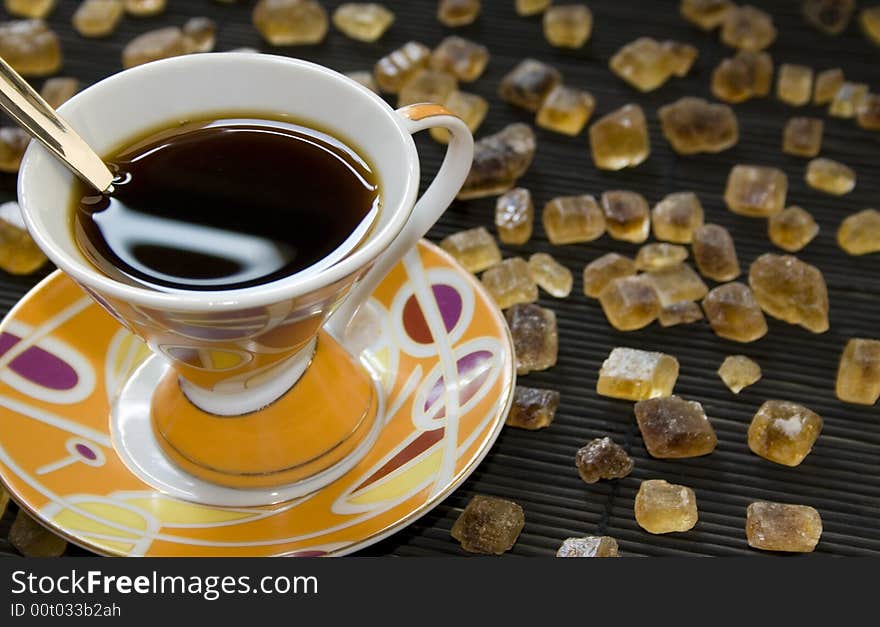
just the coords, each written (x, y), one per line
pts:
(684, 312)
(531, 7)
(791, 290)
(693, 125)
(848, 99)
(802, 137)
(868, 113)
(630, 303)
(565, 110)
(734, 314)
(427, 86)
(828, 16)
(463, 58)
(475, 249)
(97, 18)
(792, 228)
(636, 375)
(394, 69)
(528, 84)
(30, 47)
(748, 28)
(676, 284)
(783, 527)
(620, 139)
(13, 143)
(568, 25)
(859, 233)
(627, 216)
(290, 22)
(829, 176)
(757, 191)
(794, 84)
(676, 217)
(662, 507)
(826, 85)
(455, 13)
(657, 256)
(489, 525)
(602, 458)
(573, 219)
(589, 546)
(56, 91)
(743, 76)
(706, 14)
(533, 408)
(363, 21)
(715, 253)
(515, 216)
(739, 372)
(858, 373)
(19, 254)
(471, 108)
(145, 8)
(510, 282)
(674, 428)
(29, 8)
(599, 272)
(784, 432)
(869, 19)
(499, 160)
(535, 337)
(550, 275)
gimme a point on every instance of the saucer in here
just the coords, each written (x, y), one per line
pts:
(64, 362)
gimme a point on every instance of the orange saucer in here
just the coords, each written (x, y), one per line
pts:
(436, 343)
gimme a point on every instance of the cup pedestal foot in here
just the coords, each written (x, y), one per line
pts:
(301, 437)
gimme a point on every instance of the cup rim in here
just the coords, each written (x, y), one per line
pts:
(286, 288)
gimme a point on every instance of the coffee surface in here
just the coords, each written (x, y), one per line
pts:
(225, 204)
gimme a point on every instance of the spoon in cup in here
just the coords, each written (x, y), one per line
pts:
(42, 123)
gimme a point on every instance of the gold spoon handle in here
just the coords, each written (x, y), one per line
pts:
(42, 123)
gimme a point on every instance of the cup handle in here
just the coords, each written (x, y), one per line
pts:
(427, 210)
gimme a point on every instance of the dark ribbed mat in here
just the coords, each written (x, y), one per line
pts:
(841, 477)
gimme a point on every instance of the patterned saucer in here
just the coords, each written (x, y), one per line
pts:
(63, 361)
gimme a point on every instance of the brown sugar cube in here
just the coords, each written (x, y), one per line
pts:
(573, 219)
(676, 217)
(827, 84)
(662, 507)
(620, 139)
(792, 228)
(684, 312)
(734, 314)
(30, 47)
(693, 125)
(362, 21)
(161, 43)
(739, 372)
(829, 176)
(97, 18)
(531, 7)
(32, 9)
(748, 28)
(757, 191)
(782, 527)
(515, 216)
(784, 432)
(658, 256)
(706, 14)
(643, 63)
(636, 375)
(427, 86)
(868, 113)
(535, 337)
(19, 254)
(475, 249)
(630, 303)
(602, 458)
(533, 408)
(13, 143)
(510, 282)
(499, 160)
(790, 290)
(200, 34)
(744, 76)
(680, 56)
(802, 137)
(599, 272)
(675, 284)
(715, 253)
(471, 108)
(528, 84)
(458, 12)
(550, 275)
(627, 216)
(869, 19)
(848, 100)
(489, 525)
(858, 374)
(56, 91)
(673, 428)
(463, 58)
(828, 16)
(859, 234)
(568, 26)
(565, 110)
(794, 84)
(290, 22)
(394, 69)
(588, 546)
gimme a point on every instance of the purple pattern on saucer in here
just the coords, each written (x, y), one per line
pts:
(39, 366)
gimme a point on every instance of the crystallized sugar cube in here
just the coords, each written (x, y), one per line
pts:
(200, 34)
(620, 139)
(829, 16)
(489, 525)
(499, 160)
(848, 99)
(515, 216)
(858, 375)
(868, 113)
(550, 275)
(693, 125)
(739, 372)
(792, 228)
(535, 337)
(471, 108)
(57, 91)
(859, 233)
(802, 137)
(153, 45)
(528, 84)
(658, 256)
(757, 191)
(29, 8)
(683, 312)
(510, 282)
(533, 408)
(602, 458)
(748, 28)
(30, 47)
(475, 249)
(637, 375)
(791, 290)
(568, 26)
(827, 84)
(707, 14)
(97, 18)
(676, 284)
(676, 217)
(531, 7)
(290, 22)
(663, 507)
(734, 314)
(794, 84)
(363, 21)
(869, 19)
(715, 253)
(566, 110)
(427, 86)
(458, 12)
(784, 432)
(599, 272)
(18, 252)
(627, 216)
(782, 527)
(394, 69)
(588, 546)
(31, 539)
(630, 303)
(643, 63)
(679, 56)
(13, 143)
(460, 57)
(829, 176)
(573, 219)
(744, 76)
(674, 428)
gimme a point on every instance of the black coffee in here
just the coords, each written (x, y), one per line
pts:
(225, 204)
